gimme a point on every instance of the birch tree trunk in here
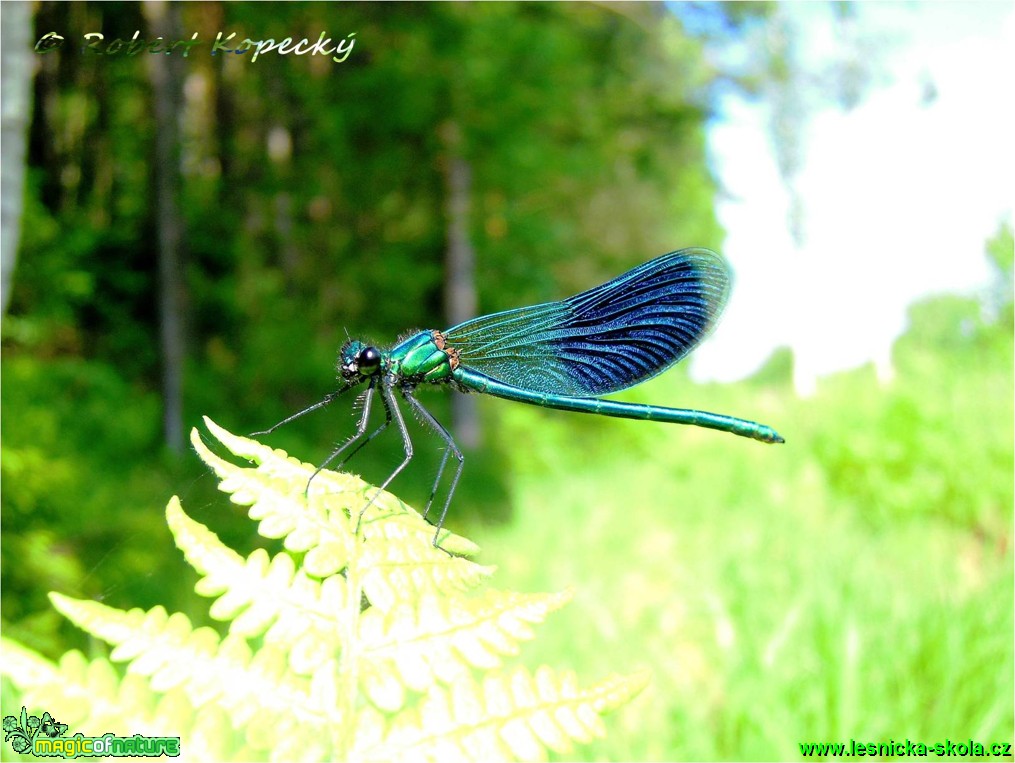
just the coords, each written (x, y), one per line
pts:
(16, 65)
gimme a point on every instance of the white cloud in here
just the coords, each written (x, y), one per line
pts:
(899, 194)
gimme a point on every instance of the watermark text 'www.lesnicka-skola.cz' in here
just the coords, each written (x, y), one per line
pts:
(962, 750)
(95, 44)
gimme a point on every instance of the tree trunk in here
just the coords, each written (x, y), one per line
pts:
(460, 266)
(166, 79)
(15, 44)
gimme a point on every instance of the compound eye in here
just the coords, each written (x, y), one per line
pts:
(368, 361)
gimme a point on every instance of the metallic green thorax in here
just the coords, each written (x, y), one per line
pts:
(422, 358)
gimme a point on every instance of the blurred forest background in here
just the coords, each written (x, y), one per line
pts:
(198, 234)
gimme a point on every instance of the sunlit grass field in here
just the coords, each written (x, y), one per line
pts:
(771, 608)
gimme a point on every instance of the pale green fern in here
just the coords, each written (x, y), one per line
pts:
(353, 644)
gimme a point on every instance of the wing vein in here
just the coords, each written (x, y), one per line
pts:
(606, 338)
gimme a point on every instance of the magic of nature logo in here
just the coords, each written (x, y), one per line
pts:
(44, 737)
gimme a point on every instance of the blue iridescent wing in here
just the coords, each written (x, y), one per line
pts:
(607, 338)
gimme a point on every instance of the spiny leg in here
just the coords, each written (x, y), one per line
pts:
(451, 448)
(361, 427)
(392, 409)
(436, 482)
(367, 439)
(327, 399)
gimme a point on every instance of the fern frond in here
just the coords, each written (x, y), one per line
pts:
(360, 641)
(90, 695)
(170, 653)
(318, 517)
(398, 562)
(508, 716)
(443, 638)
(268, 489)
(259, 595)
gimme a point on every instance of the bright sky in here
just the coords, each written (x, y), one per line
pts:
(900, 194)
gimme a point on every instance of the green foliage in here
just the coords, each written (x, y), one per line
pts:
(898, 461)
(584, 134)
(64, 463)
(361, 640)
(778, 601)
(1001, 254)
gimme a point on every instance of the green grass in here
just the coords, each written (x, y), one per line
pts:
(768, 605)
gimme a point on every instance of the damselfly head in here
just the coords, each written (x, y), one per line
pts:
(358, 361)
